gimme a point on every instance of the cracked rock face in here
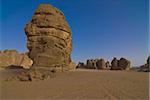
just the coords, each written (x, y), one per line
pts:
(49, 38)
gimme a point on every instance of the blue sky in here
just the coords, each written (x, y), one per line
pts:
(101, 28)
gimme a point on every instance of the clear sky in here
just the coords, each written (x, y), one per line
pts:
(101, 28)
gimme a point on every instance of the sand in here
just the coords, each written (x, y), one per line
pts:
(81, 85)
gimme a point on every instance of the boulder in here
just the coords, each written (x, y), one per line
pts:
(114, 64)
(107, 64)
(49, 38)
(13, 58)
(124, 64)
(146, 67)
(101, 64)
(34, 75)
(91, 64)
(81, 65)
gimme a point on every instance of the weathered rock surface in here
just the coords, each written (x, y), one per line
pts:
(148, 60)
(49, 38)
(114, 64)
(80, 65)
(91, 64)
(72, 65)
(107, 64)
(94, 64)
(146, 67)
(101, 64)
(122, 64)
(13, 58)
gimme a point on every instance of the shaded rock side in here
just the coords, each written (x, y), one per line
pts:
(107, 64)
(13, 58)
(91, 64)
(124, 64)
(114, 64)
(49, 38)
(80, 65)
(146, 67)
(101, 64)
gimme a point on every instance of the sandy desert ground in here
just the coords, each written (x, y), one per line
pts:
(81, 85)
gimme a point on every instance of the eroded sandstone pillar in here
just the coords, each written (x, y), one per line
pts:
(49, 38)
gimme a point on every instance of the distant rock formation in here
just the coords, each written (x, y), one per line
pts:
(146, 67)
(148, 60)
(91, 64)
(101, 64)
(114, 64)
(107, 64)
(81, 65)
(122, 64)
(13, 58)
(94, 64)
(49, 39)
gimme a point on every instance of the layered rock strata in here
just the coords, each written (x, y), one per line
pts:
(12, 59)
(122, 64)
(49, 38)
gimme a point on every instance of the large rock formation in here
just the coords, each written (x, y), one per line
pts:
(122, 64)
(80, 65)
(94, 64)
(107, 64)
(13, 58)
(49, 38)
(91, 64)
(148, 60)
(146, 67)
(114, 64)
(101, 64)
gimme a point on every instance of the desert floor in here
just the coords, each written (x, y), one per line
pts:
(80, 85)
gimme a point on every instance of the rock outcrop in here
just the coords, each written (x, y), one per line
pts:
(101, 64)
(122, 64)
(114, 64)
(146, 67)
(94, 64)
(72, 66)
(13, 58)
(49, 38)
(148, 60)
(80, 65)
(107, 64)
(91, 64)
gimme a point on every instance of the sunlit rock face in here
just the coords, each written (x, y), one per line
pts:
(49, 38)
(12, 58)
